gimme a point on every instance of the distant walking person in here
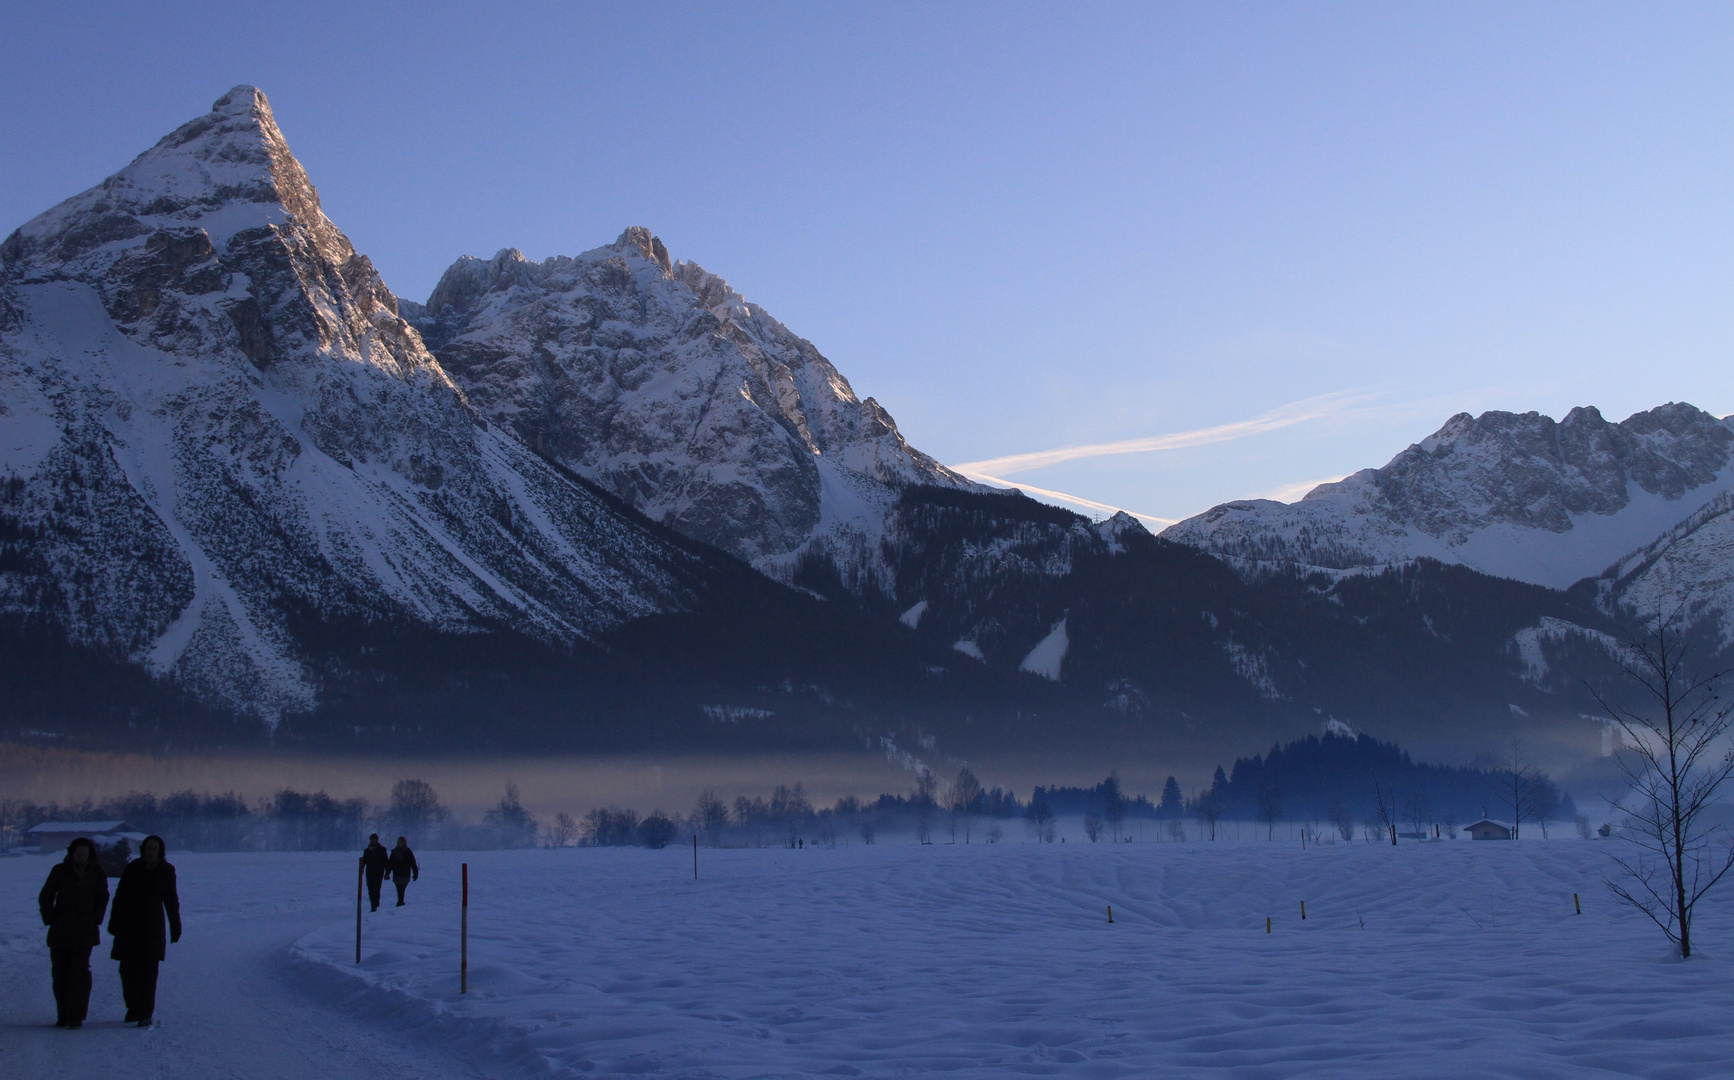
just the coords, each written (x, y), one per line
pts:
(145, 894)
(72, 902)
(403, 867)
(374, 859)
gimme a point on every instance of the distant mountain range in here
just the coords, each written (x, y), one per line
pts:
(1516, 496)
(248, 494)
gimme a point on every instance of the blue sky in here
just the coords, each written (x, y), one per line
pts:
(1311, 232)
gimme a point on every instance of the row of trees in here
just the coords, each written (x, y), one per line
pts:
(288, 820)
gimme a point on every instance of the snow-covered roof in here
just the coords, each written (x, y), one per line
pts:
(79, 827)
(1489, 821)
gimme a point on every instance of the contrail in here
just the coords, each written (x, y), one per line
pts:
(1297, 412)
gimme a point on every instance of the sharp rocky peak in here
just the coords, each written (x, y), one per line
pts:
(268, 436)
(638, 238)
(658, 381)
(225, 172)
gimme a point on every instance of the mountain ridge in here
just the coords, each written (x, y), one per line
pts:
(1514, 495)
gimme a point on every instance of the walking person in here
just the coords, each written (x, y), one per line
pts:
(403, 867)
(72, 902)
(374, 860)
(146, 894)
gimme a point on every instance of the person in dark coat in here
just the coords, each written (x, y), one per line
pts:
(145, 894)
(72, 902)
(403, 867)
(374, 861)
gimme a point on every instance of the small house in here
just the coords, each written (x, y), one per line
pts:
(53, 836)
(1488, 830)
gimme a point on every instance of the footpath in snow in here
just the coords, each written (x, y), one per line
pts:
(1425, 960)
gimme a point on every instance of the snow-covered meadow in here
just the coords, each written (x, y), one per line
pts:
(1424, 960)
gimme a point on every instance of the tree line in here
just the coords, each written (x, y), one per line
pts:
(288, 820)
(1342, 781)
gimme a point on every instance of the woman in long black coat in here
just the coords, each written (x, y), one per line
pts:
(72, 902)
(145, 894)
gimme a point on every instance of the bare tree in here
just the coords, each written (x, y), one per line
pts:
(1209, 810)
(966, 793)
(1418, 812)
(1113, 804)
(1041, 818)
(1520, 786)
(924, 800)
(710, 815)
(1384, 809)
(966, 801)
(1343, 820)
(1674, 773)
(1269, 805)
(1093, 826)
(563, 831)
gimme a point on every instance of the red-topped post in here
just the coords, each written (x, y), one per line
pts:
(464, 937)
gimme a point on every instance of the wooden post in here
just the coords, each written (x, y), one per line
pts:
(1303, 911)
(464, 937)
(360, 868)
(1267, 924)
(695, 856)
(1110, 912)
(1575, 902)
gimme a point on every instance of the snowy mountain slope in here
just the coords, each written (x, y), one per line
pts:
(1689, 569)
(1511, 495)
(1169, 646)
(215, 427)
(663, 385)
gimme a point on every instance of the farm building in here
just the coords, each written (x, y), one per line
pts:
(1488, 830)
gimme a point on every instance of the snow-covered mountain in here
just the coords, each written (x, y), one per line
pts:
(1512, 495)
(216, 432)
(228, 460)
(663, 385)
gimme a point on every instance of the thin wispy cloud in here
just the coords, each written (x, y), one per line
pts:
(1294, 492)
(1062, 497)
(1298, 412)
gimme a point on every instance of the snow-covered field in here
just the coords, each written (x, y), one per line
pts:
(1426, 960)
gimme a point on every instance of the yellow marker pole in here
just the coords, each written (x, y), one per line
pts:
(1303, 911)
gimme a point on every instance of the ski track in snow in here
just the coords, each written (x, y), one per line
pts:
(899, 960)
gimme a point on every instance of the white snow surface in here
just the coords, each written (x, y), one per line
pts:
(1516, 496)
(1423, 960)
(912, 617)
(1049, 654)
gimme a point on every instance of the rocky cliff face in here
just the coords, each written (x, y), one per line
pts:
(218, 432)
(663, 385)
(1517, 496)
